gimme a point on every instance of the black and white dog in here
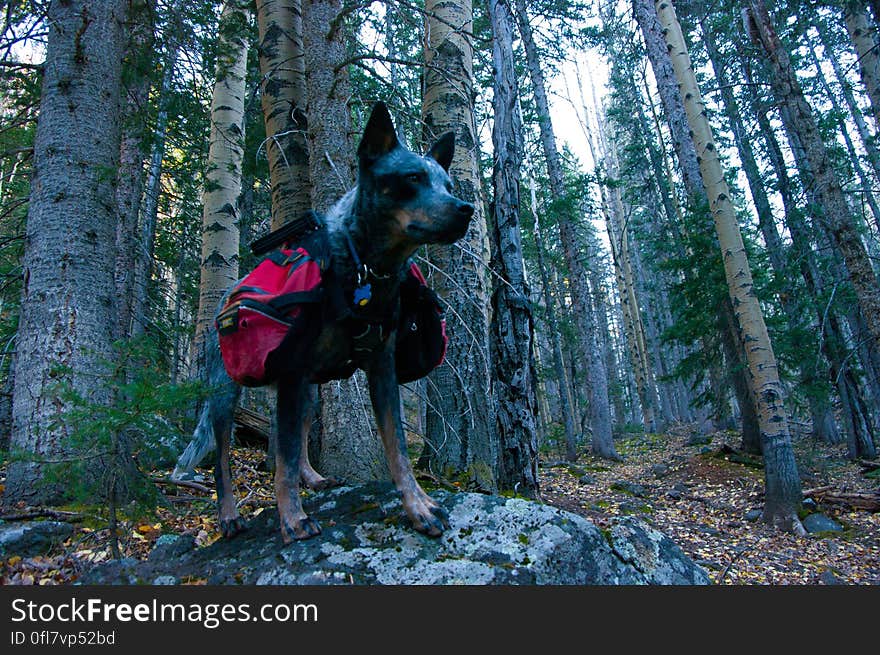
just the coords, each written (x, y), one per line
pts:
(401, 201)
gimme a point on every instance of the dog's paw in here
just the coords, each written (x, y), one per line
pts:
(231, 527)
(298, 529)
(324, 483)
(428, 517)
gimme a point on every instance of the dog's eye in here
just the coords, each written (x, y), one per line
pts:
(415, 178)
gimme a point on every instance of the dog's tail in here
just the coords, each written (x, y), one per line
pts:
(216, 413)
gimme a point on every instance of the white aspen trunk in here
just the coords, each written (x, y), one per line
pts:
(282, 92)
(460, 423)
(782, 485)
(219, 267)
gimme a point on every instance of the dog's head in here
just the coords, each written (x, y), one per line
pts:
(414, 192)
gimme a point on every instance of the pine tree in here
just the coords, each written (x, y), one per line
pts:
(69, 297)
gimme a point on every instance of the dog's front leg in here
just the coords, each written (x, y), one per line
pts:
(427, 516)
(293, 397)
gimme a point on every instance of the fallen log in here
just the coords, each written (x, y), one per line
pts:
(250, 426)
(866, 500)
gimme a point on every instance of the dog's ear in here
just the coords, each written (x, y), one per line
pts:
(379, 136)
(442, 151)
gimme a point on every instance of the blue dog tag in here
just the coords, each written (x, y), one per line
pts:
(362, 295)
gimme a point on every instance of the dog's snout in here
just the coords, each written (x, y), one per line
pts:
(465, 210)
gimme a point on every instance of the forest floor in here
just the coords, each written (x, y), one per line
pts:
(699, 495)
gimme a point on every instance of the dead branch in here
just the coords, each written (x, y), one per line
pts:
(866, 500)
(183, 483)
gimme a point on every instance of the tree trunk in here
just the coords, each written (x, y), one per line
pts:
(782, 485)
(350, 448)
(820, 409)
(683, 145)
(460, 423)
(513, 372)
(799, 119)
(219, 263)
(69, 297)
(143, 261)
(565, 400)
(856, 18)
(589, 341)
(130, 178)
(282, 91)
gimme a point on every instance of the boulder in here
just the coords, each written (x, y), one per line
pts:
(631, 488)
(821, 523)
(367, 539)
(660, 470)
(27, 539)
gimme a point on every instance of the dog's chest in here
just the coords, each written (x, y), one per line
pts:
(343, 347)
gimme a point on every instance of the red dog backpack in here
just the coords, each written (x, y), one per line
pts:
(265, 305)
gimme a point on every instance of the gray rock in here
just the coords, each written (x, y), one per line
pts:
(699, 440)
(27, 539)
(654, 555)
(828, 578)
(674, 494)
(809, 504)
(586, 479)
(821, 523)
(632, 488)
(165, 580)
(753, 515)
(490, 540)
(660, 470)
(171, 546)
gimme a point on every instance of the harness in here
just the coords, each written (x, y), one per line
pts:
(295, 286)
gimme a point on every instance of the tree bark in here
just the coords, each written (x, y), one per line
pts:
(68, 306)
(282, 91)
(782, 485)
(683, 145)
(349, 446)
(460, 423)
(513, 371)
(865, 136)
(143, 261)
(130, 178)
(220, 238)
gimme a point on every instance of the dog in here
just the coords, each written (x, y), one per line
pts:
(401, 201)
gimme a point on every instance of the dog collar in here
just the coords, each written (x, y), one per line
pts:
(363, 291)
